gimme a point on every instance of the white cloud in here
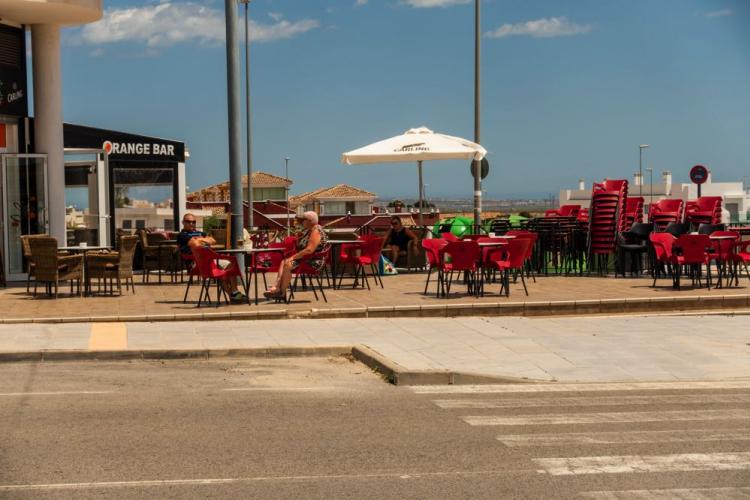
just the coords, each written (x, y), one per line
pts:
(169, 23)
(541, 28)
(719, 13)
(360, 3)
(427, 4)
(276, 16)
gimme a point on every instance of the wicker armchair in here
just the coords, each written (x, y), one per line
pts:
(51, 268)
(156, 256)
(27, 256)
(113, 266)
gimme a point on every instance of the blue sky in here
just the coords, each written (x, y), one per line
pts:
(570, 88)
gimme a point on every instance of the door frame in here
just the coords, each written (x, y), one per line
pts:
(105, 226)
(4, 193)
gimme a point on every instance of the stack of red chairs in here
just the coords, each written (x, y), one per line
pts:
(633, 211)
(704, 210)
(606, 217)
(564, 211)
(663, 212)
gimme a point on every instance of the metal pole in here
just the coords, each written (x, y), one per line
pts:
(233, 101)
(421, 193)
(477, 165)
(249, 139)
(286, 176)
(640, 168)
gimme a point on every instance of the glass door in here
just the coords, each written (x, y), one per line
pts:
(24, 206)
(87, 218)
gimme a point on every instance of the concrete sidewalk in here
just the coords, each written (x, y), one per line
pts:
(618, 348)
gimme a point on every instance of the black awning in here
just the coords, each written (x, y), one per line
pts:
(123, 146)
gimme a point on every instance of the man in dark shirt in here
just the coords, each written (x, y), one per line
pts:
(189, 234)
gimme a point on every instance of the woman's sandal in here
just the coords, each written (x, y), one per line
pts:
(273, 295)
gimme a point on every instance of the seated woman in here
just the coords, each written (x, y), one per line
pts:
(397, 240)
(312, 240)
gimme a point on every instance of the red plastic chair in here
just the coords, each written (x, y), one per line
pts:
(463, 256)
(206, 261)
(433, 249)
(369, 255)
(188, 263)
(692, 251)
(662, 244)
(263, 263)
(742, 256)
(448, 236)
(722, 252)
(305, 270)
(513, 259)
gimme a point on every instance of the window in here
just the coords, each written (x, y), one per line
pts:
(350, 208)
(334, 208)
(273, 194)
(140, 224)
(168, 224)
(127, 224)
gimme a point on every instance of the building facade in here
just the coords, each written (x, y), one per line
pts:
(76, 183)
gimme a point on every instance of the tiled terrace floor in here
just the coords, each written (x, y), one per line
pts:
(402, 290)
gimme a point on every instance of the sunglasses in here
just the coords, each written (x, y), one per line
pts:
(188, 222)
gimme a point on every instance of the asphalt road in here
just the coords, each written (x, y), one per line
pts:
(330, 428)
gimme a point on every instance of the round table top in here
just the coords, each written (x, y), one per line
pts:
(79, 248)
(722, 237)
(250, 250)
(345, 242)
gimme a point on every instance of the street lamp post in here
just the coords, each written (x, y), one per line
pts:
(248, 139)
(233, 122)
(640, 168)
(286, 176)
(651, 187)
(477, 165)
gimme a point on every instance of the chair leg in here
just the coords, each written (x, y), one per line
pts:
(320, 284)
(427, 283)
(187, 288)
(132, 284)
(523, 281)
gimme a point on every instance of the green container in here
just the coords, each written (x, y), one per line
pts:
(459, 226)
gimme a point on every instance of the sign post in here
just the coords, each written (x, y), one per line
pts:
(698, 176)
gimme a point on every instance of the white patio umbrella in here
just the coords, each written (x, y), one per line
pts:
(417, 144)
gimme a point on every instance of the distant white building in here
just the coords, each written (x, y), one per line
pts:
(736, 196)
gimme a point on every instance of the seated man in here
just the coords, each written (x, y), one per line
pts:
(189, 236)
(397, 240)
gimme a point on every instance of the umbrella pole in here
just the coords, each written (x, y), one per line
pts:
(421, 194)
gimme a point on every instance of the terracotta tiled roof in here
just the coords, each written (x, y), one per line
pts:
(339, 191)
(220, 192)
(264, 179)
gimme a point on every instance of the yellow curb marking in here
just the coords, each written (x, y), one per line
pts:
(108, 336)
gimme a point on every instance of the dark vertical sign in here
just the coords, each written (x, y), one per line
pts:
(13, 86)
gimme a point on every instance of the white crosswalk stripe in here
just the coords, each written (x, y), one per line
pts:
(648, 463)
(674, 432)
(672, 494)
(616, 386)
(633, 437)
(593, 401)
(609, 418)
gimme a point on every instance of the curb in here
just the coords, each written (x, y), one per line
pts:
(391, 371)
(671, 304)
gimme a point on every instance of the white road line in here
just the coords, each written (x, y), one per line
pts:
(680, 494)
(618, 386)
(608, 418)
(56, 393)
(627, 464)
(278, 389)
(211, 481)
(593, 401)
(579, 438)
